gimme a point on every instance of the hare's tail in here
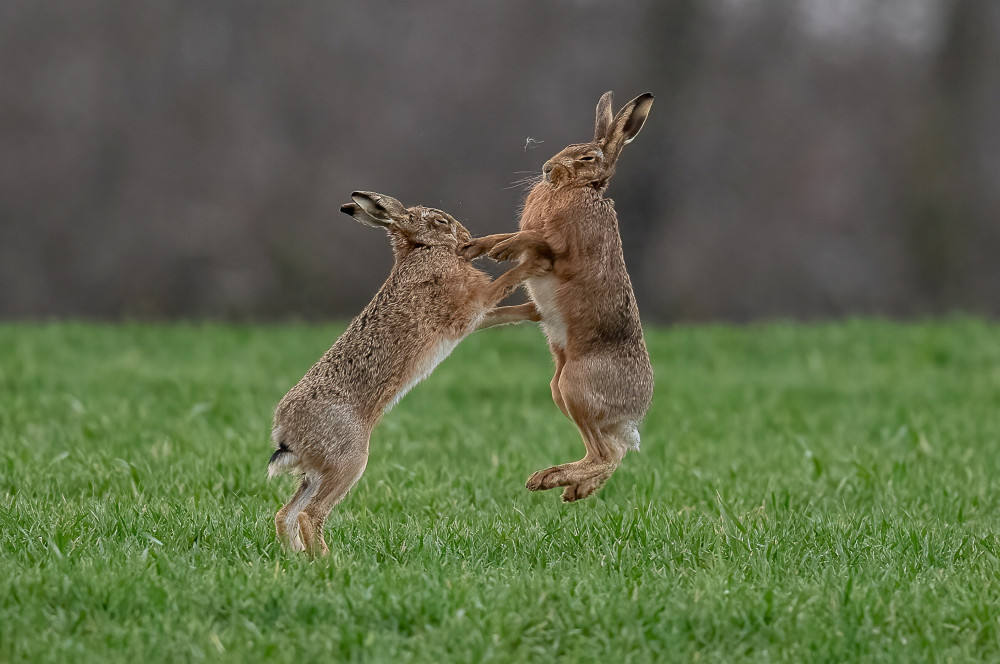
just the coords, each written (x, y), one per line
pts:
(283, 459)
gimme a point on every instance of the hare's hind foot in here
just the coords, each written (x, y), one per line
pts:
(286, 521)
(288, 533)
(311, 529)
(580, 479)
(583, 489)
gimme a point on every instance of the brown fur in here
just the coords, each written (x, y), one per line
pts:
(603, 379)
(432, 299)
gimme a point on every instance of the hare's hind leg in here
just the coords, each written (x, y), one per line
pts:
(286, 522)
(603, 433)
(334, 484)
(559, 355)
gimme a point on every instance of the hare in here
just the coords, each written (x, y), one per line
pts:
(432, 299)
(603, 379)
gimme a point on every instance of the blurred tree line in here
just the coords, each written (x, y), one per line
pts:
(803, 159)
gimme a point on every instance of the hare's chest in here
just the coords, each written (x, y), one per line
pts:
(545, 293)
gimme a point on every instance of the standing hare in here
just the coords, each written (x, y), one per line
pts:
(603, 379)
(432, 299)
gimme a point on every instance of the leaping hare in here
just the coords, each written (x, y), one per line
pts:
(432, 299)
(603, 379)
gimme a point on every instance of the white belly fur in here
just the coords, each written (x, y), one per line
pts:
(630, 434)
(427, 365)
(543, 292)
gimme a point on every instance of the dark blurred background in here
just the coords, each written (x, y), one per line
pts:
(803, 159)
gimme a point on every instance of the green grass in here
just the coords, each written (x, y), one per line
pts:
(804, 493)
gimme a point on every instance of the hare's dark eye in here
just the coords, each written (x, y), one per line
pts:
(589, 157)
(439, 220)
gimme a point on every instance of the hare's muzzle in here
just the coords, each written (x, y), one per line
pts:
(547, 171)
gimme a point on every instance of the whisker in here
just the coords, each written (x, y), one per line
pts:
(525, 183)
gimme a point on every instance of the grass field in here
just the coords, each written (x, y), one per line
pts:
(804, 493)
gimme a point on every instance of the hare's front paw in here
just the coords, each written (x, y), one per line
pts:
(471, 250)
(507, 250)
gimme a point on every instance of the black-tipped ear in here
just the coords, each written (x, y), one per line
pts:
(626, 126)
(605, 116)
(363, 217)
(633, 116)
(381, 207)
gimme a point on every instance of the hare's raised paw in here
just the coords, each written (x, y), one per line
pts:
(474, 249)
(507, 250)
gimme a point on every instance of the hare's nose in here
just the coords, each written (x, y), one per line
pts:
(547, 168)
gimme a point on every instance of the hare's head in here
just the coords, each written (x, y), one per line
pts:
(415, 226)
(592, 164)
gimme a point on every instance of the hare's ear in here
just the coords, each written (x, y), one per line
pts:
(605, 116)
(630, 119)
(627, 123)
(363, 217)
(378, 208)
